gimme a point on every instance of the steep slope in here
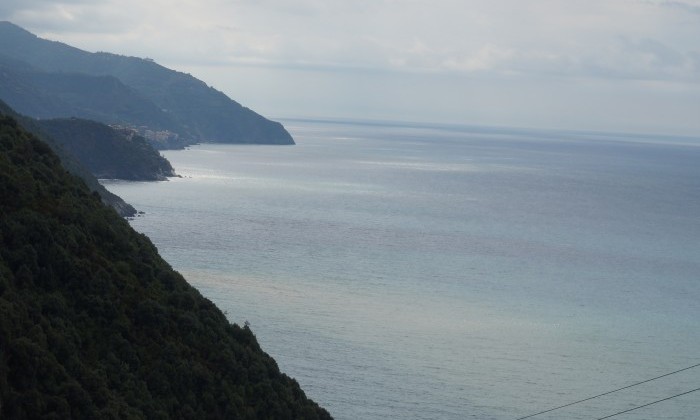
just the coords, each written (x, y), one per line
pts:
(41, 94)
(108, 153)
(195, 109)
(71, 164)
(94, 324)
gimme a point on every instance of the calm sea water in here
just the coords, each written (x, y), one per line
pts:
(449, 272)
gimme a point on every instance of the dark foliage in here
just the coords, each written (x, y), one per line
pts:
(43, 94)
(106, 152)
(94, 324)
(71, 163)
(56, 78)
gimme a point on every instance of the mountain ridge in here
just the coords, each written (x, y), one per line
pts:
(69, 162)
(108, 153)
(184, 104)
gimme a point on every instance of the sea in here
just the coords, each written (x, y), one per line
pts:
(427, 271)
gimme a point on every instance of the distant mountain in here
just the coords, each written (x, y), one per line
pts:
(106, 152)
(70, 163)
(94, 324)
(44, 79)
(41, 94)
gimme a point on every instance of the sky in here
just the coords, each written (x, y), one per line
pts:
(609, 65)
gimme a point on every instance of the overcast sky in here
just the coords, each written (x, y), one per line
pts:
(622, 65)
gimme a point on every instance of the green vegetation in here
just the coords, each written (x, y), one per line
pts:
(46, 79)
(42, 94)
(71, 163)
(94, 324)
(108, 153)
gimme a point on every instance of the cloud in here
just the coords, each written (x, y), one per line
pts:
(386, 35)
(620, 58)
(515, 43)
(67, 17)
(11, 6)
(683, 6)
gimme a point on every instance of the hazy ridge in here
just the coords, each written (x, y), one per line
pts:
(47, 79)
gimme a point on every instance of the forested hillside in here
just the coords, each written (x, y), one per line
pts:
(46, 79)
(70, 162)
(106, 152)
(94, 324)
(41, 94)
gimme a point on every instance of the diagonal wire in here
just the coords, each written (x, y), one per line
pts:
(651, 403)
(607, 393)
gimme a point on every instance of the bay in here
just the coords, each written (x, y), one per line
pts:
(449, 272)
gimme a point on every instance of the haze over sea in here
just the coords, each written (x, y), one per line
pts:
(444, 272)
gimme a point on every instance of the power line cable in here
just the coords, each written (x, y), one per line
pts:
(651, 403)
(609, 392)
